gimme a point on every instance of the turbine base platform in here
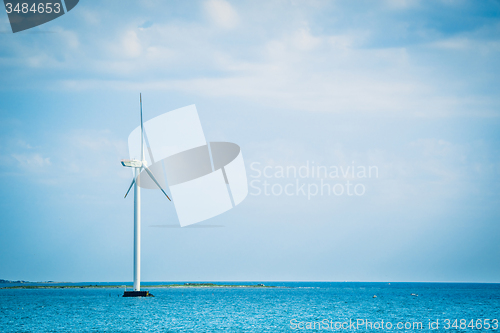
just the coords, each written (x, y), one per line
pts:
(135, 293)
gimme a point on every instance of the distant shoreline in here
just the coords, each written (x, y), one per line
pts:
(186, 285)
(21, 284)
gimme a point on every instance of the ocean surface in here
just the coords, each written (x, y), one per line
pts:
(299, 306)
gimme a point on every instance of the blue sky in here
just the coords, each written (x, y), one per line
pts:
(408, 86)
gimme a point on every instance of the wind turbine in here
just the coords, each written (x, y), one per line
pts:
(139, 166)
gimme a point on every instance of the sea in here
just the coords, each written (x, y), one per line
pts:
(291, 307)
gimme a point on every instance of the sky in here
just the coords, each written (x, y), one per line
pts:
(408, 88)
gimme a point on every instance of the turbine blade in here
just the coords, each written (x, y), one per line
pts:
(142, 131)
(133, 181)
(154, 179)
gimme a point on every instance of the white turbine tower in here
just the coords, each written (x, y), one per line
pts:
(139, 166)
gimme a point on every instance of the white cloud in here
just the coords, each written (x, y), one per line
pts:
(91, 17)
(298, 70)
(93, 155)
(303, 40)
(80, 156)
(32, 161)
(282, 62)
(131, 44)
(402, 4)
(222, 13)
(452, 44)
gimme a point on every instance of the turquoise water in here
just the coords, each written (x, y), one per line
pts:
(253, 309)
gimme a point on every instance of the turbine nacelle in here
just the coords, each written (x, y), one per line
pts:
(133, 163)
